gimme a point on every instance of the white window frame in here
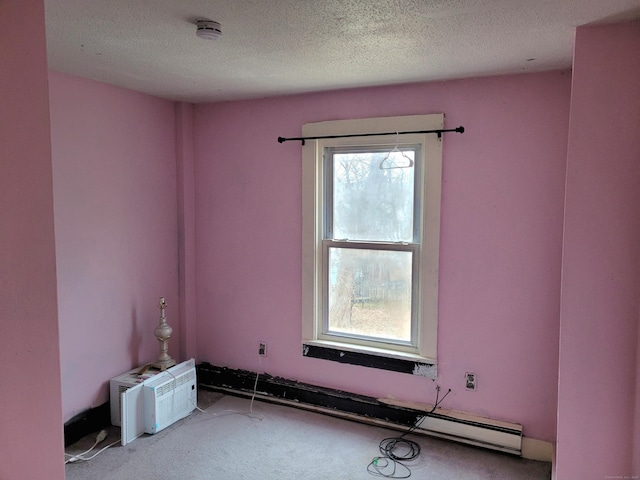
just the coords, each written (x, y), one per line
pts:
(313, 189)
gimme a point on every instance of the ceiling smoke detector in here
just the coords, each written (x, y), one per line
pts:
(208, 29)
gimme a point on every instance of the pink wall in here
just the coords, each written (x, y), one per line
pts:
(503, 188)
(114, 173)
(636, 441)
(601, 263)
(30, 412)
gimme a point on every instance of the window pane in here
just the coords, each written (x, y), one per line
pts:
(370, 293)
(373, 195)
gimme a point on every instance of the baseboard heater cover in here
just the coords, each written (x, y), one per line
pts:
(447, 424)
(471, 429)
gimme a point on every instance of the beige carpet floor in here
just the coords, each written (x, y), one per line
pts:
(279, 442)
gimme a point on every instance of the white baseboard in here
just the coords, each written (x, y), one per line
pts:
(533, 449)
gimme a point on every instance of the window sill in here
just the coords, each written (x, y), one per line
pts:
(371, 357)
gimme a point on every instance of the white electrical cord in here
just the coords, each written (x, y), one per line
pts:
(250, 413)
(85, 459)
(75, 457)
(81, 456)
(255, 389)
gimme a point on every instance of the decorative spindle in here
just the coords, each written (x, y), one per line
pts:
(163, 333)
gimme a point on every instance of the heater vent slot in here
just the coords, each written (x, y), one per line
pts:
(175, 383)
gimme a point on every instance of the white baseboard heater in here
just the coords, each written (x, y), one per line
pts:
(466, 428)
(482, 432)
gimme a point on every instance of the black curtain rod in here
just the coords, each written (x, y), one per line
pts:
(439, 132)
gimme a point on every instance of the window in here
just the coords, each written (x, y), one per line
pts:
(371, 218)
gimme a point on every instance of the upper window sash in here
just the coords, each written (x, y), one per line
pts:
(373, 158)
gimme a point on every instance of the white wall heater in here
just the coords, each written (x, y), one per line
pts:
(169, 396)
(157, 402)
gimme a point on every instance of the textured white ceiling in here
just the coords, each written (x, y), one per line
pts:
(274, 47)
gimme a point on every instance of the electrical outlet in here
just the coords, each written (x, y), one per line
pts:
(262, 349)
(470, 381)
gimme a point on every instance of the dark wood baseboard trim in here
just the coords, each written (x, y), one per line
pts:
(87, 422)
